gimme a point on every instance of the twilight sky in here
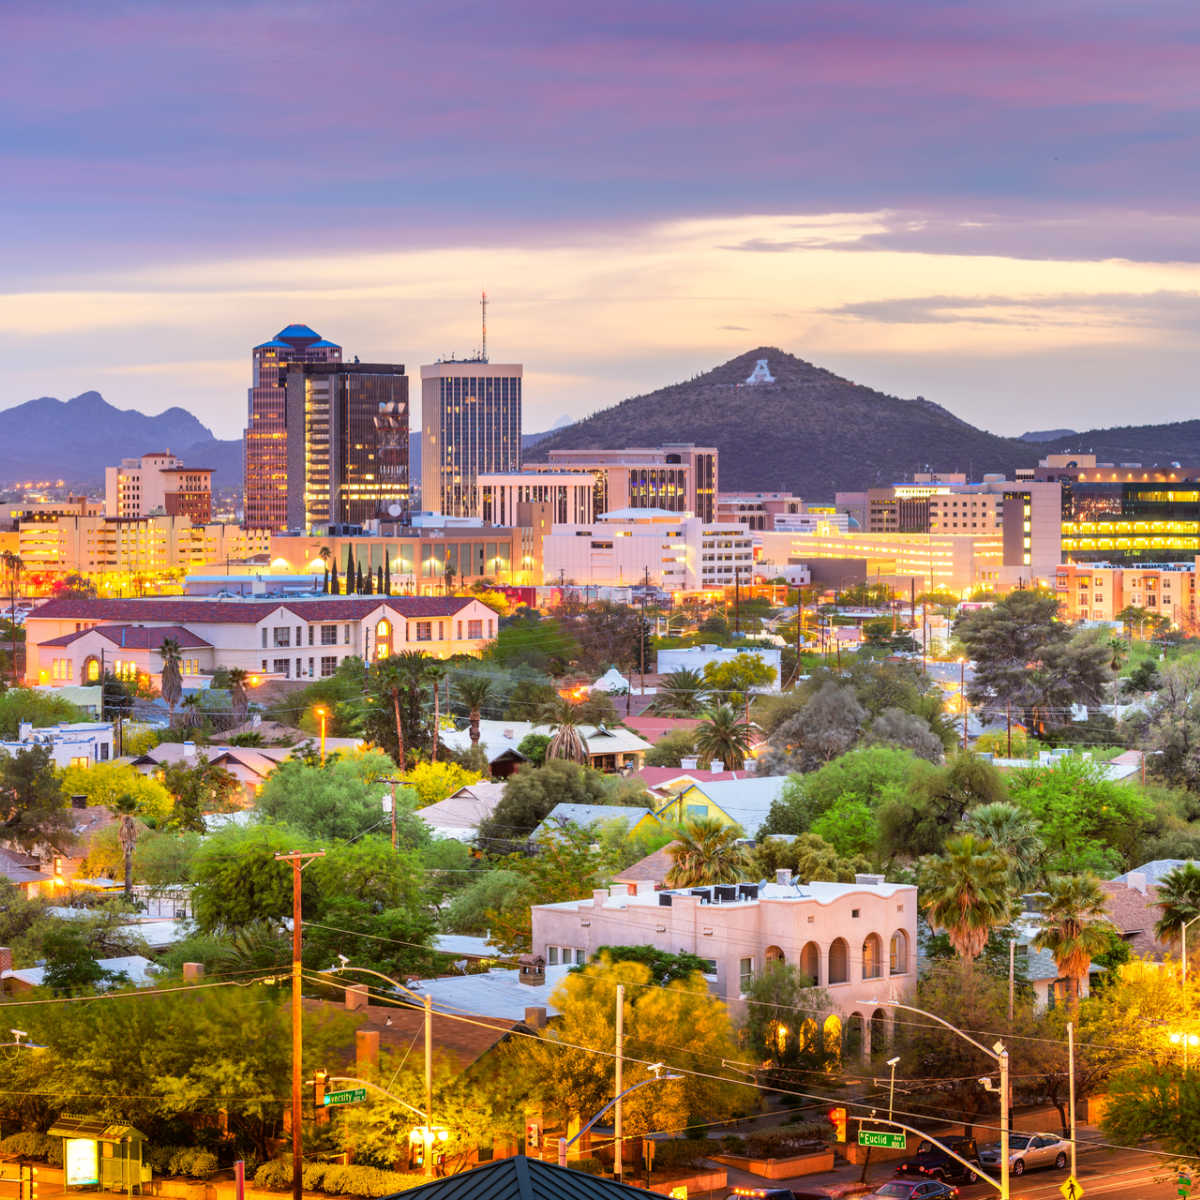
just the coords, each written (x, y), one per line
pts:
(993, 206)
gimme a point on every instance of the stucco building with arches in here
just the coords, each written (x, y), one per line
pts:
(856, 941)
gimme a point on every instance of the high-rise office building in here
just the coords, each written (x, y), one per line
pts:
(470, 425)
(347, 442)
(158, 483)
(266, 491)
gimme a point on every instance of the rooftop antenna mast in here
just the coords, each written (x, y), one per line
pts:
(483, 310)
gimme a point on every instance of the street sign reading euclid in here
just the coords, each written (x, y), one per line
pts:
(879, 1137)
(347, 1097)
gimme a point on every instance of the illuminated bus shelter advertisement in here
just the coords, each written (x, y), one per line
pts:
(81, 1161)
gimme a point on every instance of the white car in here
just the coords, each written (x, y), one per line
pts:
(1028, 1150)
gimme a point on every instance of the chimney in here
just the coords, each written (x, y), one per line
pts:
(356, 996)
(78, 801)
(691, 763)
(366, 1049)
(189, 752)
(1136, 880)
(535, 1018)
(5, 960)
(869, 880)
(599, 896)
(192, 971)
(783, 877)
(25, 731)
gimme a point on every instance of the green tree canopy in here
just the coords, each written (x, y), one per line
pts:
(36, 708)
(33, 810)
(705, 851)
(531, 793)
(966, 893)
(109, 783)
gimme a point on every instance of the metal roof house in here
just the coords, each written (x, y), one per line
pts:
(521, 1178)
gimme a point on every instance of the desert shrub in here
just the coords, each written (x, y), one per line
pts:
(682, 1152)
(732, 1144)
(589, 1166)
(313, 1176)
(274, 1176)
(788, 1139)
(193, 1162)
(30, 1145)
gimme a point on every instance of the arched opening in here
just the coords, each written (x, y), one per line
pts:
(810, 963)
(852, 1040)
(839, 962)
(383, 638)
(91, 670)
(810, 1036)
(872, 957)
(879, 1030)
(832, 1031)
(898, 954)
(773, 954)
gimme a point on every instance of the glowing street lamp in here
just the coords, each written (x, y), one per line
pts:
(1187, 1041)
(321, 713)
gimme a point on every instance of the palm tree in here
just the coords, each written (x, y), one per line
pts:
(128, 834)
(680, 694)
(434, 673)
(1179, 899)
(172, 673)
(1014, 833)
(473, 690)
(237, 692)
(566, 741)
(191, 712)
(400, 678)
(967, 893)
(706, 851)
(1075, 928)
(723, 735)
(13, 566)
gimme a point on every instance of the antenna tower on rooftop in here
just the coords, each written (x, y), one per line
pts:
(483, 311)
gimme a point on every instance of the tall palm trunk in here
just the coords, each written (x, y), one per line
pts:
(399, 726)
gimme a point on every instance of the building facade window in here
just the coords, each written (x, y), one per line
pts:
(383, 638)
(283, 666)
(329, 665)
(745, 972)
(328, 635)
(282, 636)
(474, 629)
(424, 631)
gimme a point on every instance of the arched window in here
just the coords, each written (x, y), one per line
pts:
(810, 964)
(872, 957)
(91, 671)
(833, 1038)
(383, 638)
(839, 962)
(852, 1041)
(773, 954)
(898, 954)
(879, 1030)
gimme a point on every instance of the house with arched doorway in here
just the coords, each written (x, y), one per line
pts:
(856, 941)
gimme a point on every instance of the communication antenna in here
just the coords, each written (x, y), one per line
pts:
(483, 310)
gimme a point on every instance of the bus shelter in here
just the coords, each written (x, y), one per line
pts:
(97, 1154)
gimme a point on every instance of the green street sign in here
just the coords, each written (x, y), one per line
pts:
(347, 1097)
(879, 1137)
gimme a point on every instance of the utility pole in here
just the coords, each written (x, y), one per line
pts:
(1008, 723)
(642, 633)
(1012, 975)
(619, 1085)
(962, 696)
(737, 599)
(393, 814)
(299, 860)
(1071, 1086)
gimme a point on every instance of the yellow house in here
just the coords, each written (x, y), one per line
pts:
(742, 802)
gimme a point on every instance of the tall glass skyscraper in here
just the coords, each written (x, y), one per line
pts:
(470, 426)
(265, 498)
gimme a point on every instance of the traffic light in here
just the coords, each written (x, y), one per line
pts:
(532, 1135)
(837, 1118)
(319, 1080)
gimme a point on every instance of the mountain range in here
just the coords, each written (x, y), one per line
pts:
(803, 429)
(76, 439)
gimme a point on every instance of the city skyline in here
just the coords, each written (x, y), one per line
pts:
(988, 208)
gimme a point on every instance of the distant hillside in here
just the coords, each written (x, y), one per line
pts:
(76, 439)
(1047, 435)
(1178, 442)
(809, 431)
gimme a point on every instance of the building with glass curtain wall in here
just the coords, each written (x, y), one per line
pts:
(347, 444)
(470, 425)
(266, 447)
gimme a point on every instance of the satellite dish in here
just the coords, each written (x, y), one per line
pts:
(394, 510)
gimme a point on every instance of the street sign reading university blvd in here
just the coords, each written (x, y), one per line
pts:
(879, 1137)
(347, 1097)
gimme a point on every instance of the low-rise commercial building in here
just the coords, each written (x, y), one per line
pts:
(637, 545)
(517, 497)
(158, 483)
(856, 940)
(1098, 591)
(758, 510)
(73, 639)
(71, 744)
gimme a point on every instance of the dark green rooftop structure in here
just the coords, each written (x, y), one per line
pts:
(521, 1178)
(99, 1154)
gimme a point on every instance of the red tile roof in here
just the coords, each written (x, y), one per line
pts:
(243, 612)
(656, 776)
(655, 728)
(1135, 914)
(137, 637)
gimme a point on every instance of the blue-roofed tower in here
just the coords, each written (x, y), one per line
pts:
(266, 451)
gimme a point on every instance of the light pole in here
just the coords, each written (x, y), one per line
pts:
(564, 1144)
(1186, 1040)
(999, 1054)
(892, 1063)
(1183, 946)
(321, 714)
(426, 1002)
(962, 696)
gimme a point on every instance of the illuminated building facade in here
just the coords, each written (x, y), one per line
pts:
(512, 498)
(158, 483)
(470, 426)
(266, 485)
(347, 442)
(1098, 591)
(758, 510)
(676, 477)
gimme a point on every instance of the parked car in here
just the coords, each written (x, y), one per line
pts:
(932, 1162)
(913, 1189)
(1028, 1150)
(774, 1193)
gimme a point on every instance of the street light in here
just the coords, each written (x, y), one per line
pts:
(1183, 945)
(999, 1054)
(321, 713)
(1186, 1040)
(343, 964)
(564, 1144)
(962, 696)
(893, 1063)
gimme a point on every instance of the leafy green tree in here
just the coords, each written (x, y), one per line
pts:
(731, 682)
(851, 826)
(238, 879)
(1074, 928)
(489, 891)
(198, 788)
(704, 851)
(534, 746)
(827, 726)
(1154, 1101)
(669, 750)
(722, 736)
(530, 794)
(71, 967)
(608, 635)
(108, 783)
(529, 695)
(1027, 662)
(966, 892)
(572, 1080)
(337, 801)
(680, 694)
(807, 856)
(395, 715)
(39, 709)
(528, 639)
(896, 727)
(33, 811)
(781, 1025)
(1086, 820)
(665, 967)
(1014, 832)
